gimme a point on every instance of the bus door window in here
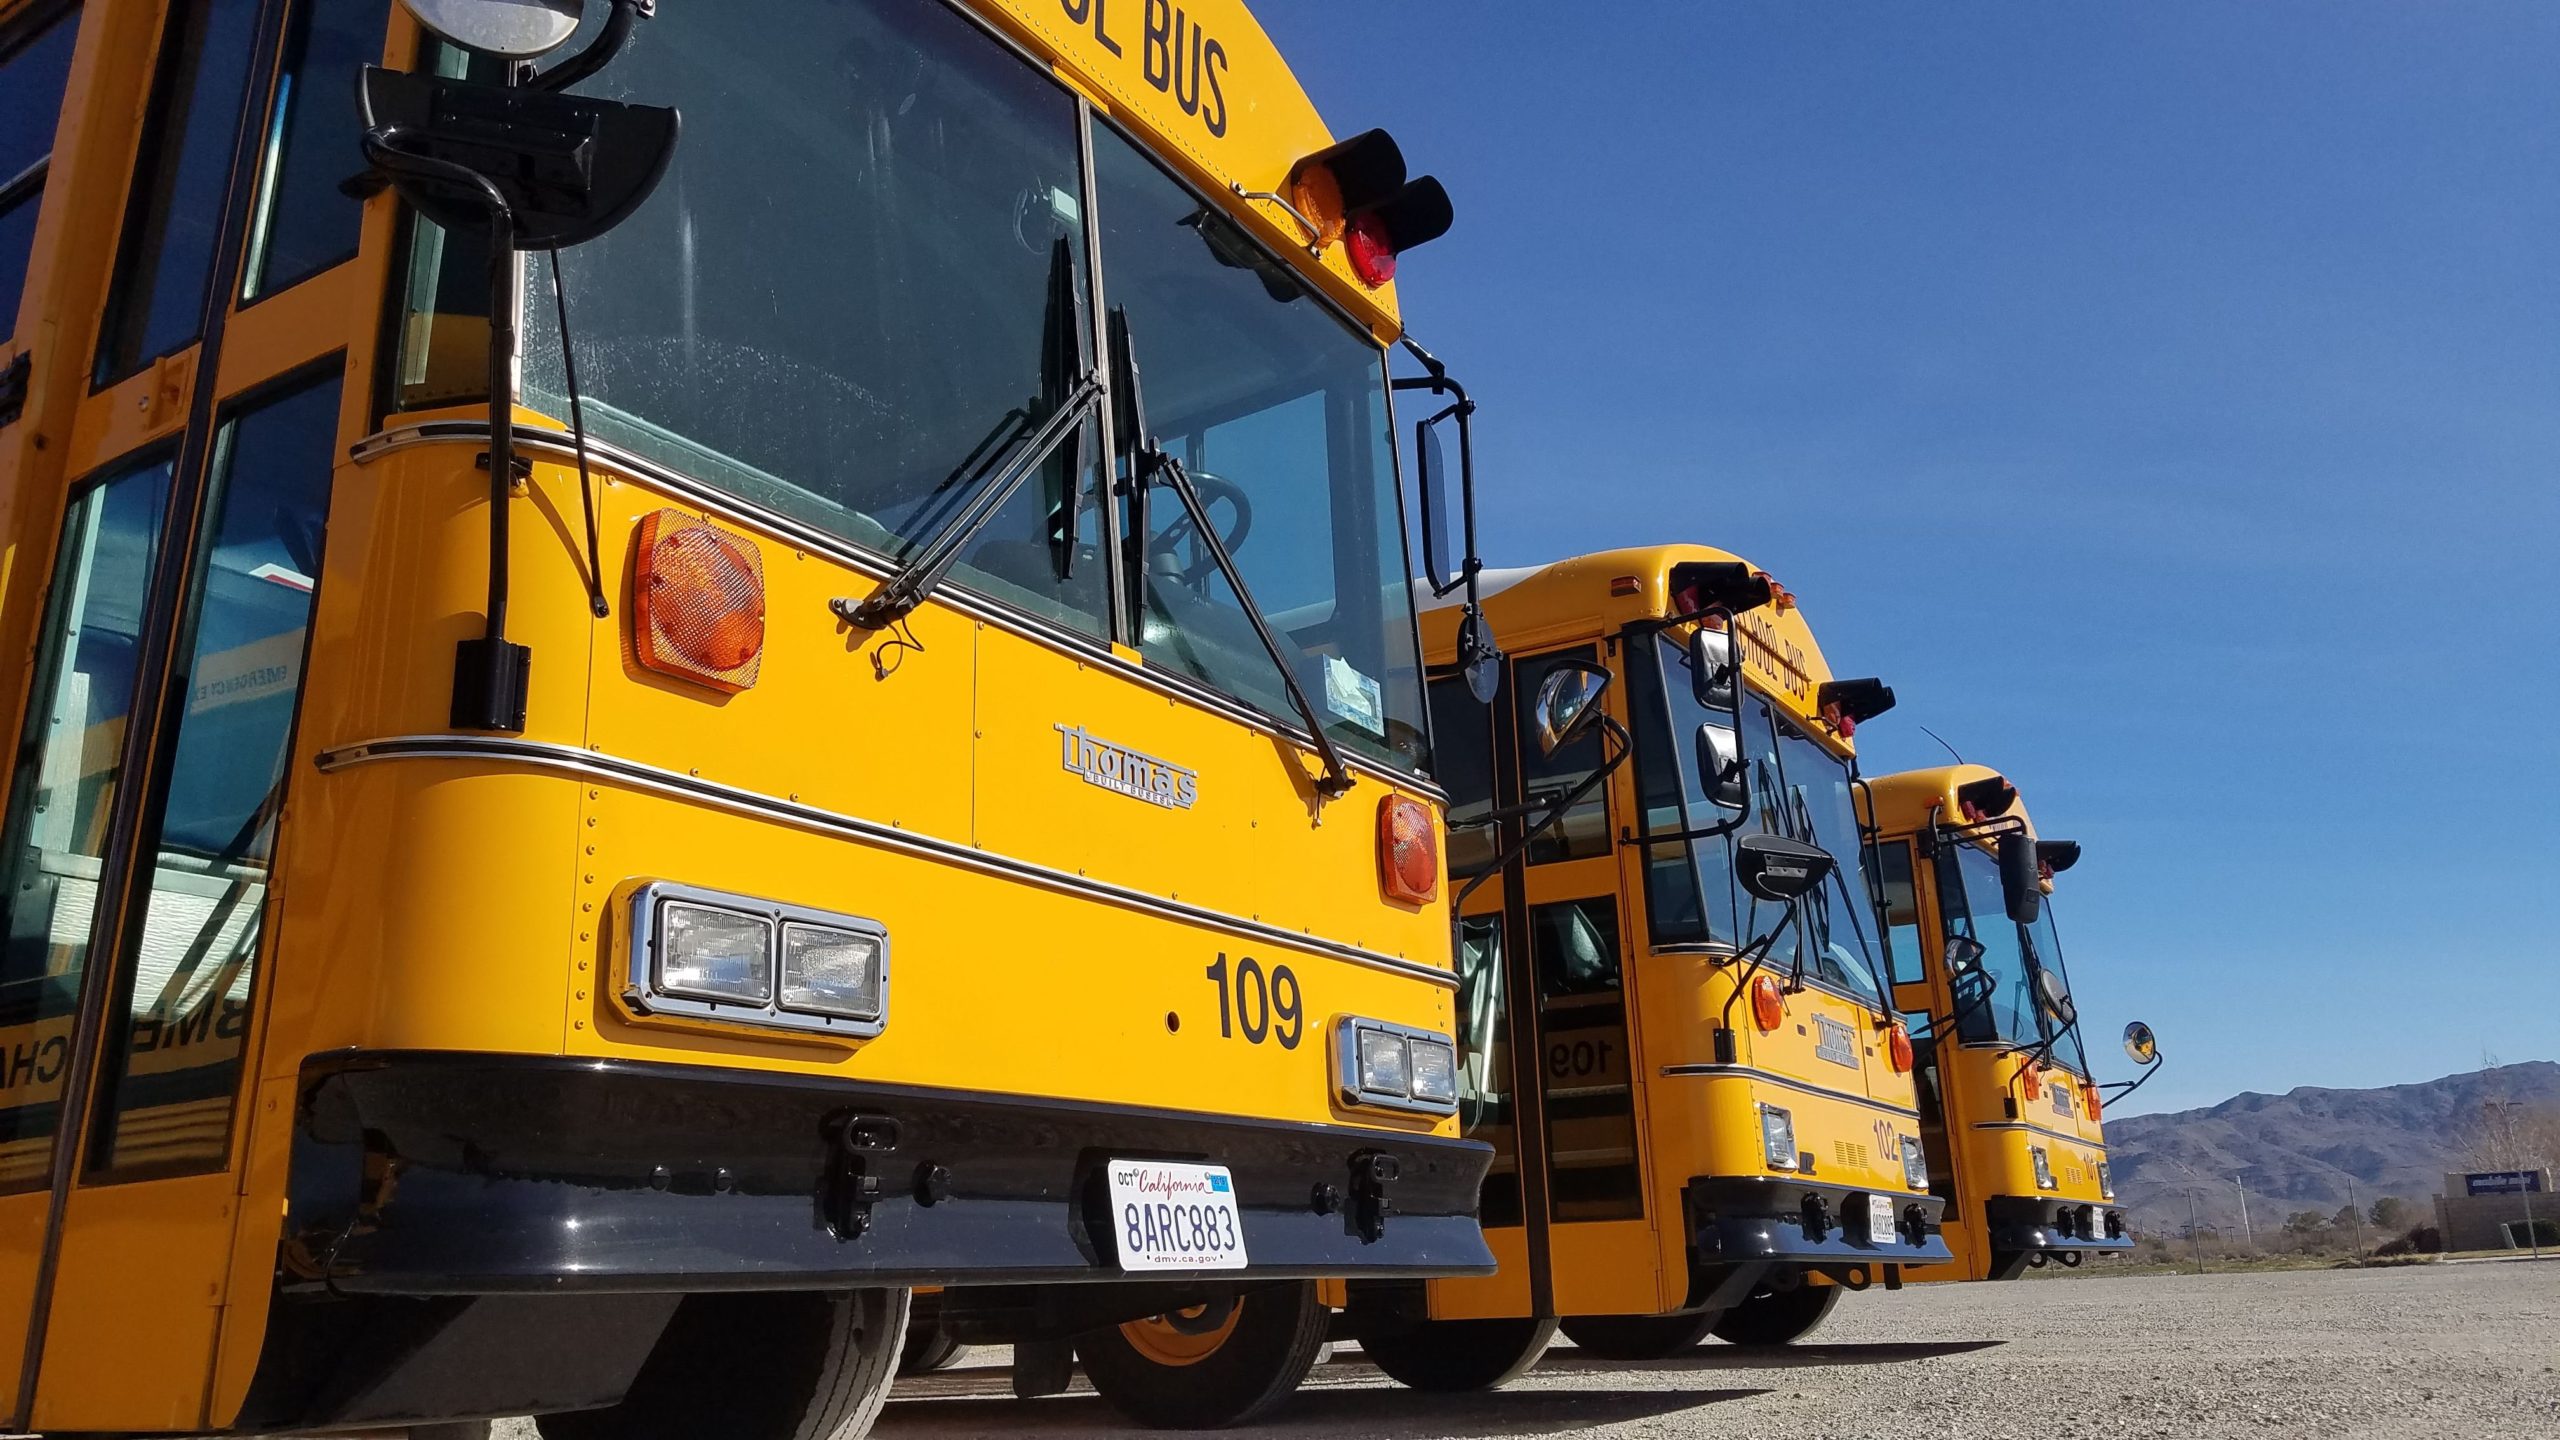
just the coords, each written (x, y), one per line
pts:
(1895, 885)
(1583, 832)
(1462, 761)
(1689, 885)
(65, 786)
(33, 74)
(180, 1015)
(1584, 1069)
(305, 221)
(164, 266)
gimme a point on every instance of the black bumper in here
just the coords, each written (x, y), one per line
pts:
(434, 1173)
(1740, 1219)
(2020, 1222)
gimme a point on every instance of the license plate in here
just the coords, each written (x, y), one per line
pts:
(1880, 1229)
(1175, 1217)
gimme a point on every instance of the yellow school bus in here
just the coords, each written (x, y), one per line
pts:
(2010, 1109)
(635, 737)
(1700, 1101)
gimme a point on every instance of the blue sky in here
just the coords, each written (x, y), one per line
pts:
(2164, 397)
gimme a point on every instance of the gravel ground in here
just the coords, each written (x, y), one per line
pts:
(2439, 1350)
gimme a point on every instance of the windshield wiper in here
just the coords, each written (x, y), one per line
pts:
(990, 474)
(1151, 460)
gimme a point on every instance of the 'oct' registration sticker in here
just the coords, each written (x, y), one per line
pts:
(1175, 1217)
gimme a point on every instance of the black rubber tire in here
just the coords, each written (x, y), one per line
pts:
(1454, 1356)
(1639, 1337)
(927, 1349)
(758, 1367)
(1777, 1317)
(1278, 1335)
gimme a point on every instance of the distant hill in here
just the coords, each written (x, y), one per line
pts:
(2299, 1150)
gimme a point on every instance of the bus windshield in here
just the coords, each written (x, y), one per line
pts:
(1996, 1001)
(873, 253)
(2046, 943)
(1838, 943)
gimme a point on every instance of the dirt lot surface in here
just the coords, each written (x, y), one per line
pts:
(2425, 1351)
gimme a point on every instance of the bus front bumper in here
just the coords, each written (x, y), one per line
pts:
(436, 1173)
(2029, 1223)
(1741, 1219)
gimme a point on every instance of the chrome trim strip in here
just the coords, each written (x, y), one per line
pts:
(1746, 1072)
(782, 528)
(2040, 1130)
(544, 755)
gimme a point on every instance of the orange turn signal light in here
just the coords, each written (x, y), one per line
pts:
(2031, 1081)
(1768, 1004)
(697, 604)
(1408, 850)
(2089, 1093)
(1897, 1047)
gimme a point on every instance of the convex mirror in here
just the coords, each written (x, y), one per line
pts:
(509, 29)
(1569, 703)
(1964, 954)
(2140, 1045)
(1778, 869)
(2055, 1000)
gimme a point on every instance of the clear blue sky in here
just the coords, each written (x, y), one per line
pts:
(2164, 397)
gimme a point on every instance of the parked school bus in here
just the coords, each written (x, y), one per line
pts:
(1670, 1024)
(574, 906)
(2010, 1109)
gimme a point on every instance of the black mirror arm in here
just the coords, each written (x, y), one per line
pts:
(601, 51)
(1757, 952)
(1556, 810)
(1470, 564)
(2122, 1088)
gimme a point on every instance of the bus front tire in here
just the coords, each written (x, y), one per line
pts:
(1639, 1337)
(929, 1348)
(1777, 1317)
(757, 1367)
(1211, 1366)
(1453, 1356)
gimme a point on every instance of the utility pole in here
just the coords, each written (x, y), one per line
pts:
(2195, 1237)
(2355, 1215)
(2248, 1236)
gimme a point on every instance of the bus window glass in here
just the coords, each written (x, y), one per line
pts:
(1485, 1100)
(65, 785)
(1769, 814)
(1277, 409)
(1901, 910)
(32, 77)
(1583, 832)
(1838, 931)
(869, 244)
(304, 223)
(1583, 1073)
(183, 988)
(2048, 956)
(1462, 761)
(1995, 1002)
(165, 265)
(1689, 885)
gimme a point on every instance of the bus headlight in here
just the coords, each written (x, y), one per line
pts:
(2044, 1168)
(708, 953)
(1778, 1137)
(1392, 1067)
(712, 955)
(1915, 1163)
(2106, 1181)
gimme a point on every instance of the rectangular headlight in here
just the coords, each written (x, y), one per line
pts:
(709, 953)
(1915, 1162)
(2044, 1169)
(1394, 1067)
(1778, 1137)
(827, 971)
(2106, 1181)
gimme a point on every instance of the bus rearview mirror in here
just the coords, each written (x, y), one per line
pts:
(1778, 869)
(508, 29)
(1711, 672)
(2140, 1045)
(1720, 768)
(1963, 954)
(2021, 877)
(1569, 703)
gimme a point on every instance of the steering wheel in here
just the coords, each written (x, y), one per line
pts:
(1163, 552)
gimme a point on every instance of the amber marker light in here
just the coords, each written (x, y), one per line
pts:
(1897, 1047)
(1768, 1004)
(698, 603)
(1408, 851)
(2031, 1080)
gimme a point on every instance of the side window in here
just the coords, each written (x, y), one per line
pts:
(1584, 831)
(33, 74)
(305, 222)
(1901, 910)
(165, 263)
(1485, 1100)
(1584, 1069)
(1462, 761)
(67, 772)
(184, 986)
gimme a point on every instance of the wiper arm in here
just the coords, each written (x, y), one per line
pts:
(1153, 460)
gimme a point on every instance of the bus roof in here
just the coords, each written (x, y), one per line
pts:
(1907, 802)
(1202, 86)
(1536, 607)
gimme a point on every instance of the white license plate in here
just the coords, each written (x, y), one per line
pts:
(1175, 1217)
(1880, 1229)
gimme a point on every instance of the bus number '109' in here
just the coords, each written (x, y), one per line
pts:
(1263, 1007)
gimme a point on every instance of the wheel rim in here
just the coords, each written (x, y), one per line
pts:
(1184, 1337)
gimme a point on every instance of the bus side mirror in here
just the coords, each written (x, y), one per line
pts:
(1713, 676)
(2140, 1045)
(1569, 703)
(1778, 869)
(2055, 1000)
(2021, 877)
(1963, 954)
(1728, 781)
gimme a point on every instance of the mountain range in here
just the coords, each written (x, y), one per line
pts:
(2309, 1149)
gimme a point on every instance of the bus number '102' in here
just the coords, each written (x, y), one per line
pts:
(1263, 1007)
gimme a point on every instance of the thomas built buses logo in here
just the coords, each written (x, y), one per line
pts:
(1125, 771)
